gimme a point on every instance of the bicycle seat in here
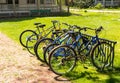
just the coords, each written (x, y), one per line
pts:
(57, 32)
(37, 23)
(54, 21)
(64, 30)
(42, 25)
(70, 32)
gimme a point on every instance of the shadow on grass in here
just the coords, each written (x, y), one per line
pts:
(17, 19)
(114, 75)
(84, 74)
(59, 78)
(13, 19)
(114, 70)
(111, 76)
(117, 69)
(113, 80)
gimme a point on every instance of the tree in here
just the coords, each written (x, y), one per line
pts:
(69, 2)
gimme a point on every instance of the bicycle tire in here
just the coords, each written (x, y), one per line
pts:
(104, 59)
(61, 65)
(22, 39)
(30, 44)
(40, 46)
(47, 51)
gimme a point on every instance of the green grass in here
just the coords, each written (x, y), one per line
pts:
(110, 22)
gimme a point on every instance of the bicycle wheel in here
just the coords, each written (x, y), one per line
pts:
(62, 59)
(25, 35)
(30, 44)
(47, 51)
(102, 55)
(40, 47)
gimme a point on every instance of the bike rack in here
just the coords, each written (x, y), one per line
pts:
(112, 43)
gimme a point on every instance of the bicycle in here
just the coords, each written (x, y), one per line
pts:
(63, 39)
(41, 45)
(99, 51)
(62, 59)
(32, 36)
(59, 53)
(27, 34)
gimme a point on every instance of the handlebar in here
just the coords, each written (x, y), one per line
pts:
(96, 30)
(73, 26)
(37, 23)
(67, 25)
(78, 27)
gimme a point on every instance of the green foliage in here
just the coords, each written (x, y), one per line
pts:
(99, 6)
(83, 3)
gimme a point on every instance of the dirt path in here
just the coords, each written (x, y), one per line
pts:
(16, 65)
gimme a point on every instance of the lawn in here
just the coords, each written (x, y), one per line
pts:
(111, 23)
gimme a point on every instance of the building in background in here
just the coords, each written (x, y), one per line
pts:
(24, 7)
(108, 3)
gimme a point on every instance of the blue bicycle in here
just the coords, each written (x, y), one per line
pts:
(63, 39)
(62, 59)
(42, 44)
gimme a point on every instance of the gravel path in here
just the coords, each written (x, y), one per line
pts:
(16, 65)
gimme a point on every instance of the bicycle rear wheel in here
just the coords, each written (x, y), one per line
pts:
(40, 47)
(25, 35)
(102, 55)
(62, 59)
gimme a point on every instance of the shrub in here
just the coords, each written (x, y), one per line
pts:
(99, 6)
(83, 3)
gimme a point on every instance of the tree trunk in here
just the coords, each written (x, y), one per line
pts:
(14, 7)
(60, 4)
(38, 6)
(68, 6)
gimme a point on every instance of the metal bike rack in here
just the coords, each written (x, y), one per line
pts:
(112, 43)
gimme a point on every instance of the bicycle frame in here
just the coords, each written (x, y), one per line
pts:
(88, 45)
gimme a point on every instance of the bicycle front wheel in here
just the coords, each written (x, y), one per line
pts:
(62, 59)
(25, 35)
(40, 47)
(47, 52)
(102, 55)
